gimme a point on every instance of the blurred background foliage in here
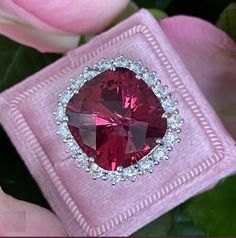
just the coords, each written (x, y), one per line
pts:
(211, 213)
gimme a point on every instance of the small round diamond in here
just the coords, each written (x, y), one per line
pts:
(82, 161)
(96, 170)
(63, 130)
(105, 64)
(169, 105)
(114, 177)
(76, 83)
(121, 61)
(89, 74)
(137, 67)
(175, 121)
(60, 113)
(72, 147)
(160, 91)
(149, 78)
(130, 173)
(170, 138)
(66, 96)
(146, 165)
(159, 154)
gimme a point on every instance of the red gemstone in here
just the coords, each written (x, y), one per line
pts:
(116, 118)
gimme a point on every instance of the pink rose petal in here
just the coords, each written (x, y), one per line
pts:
(77, 16)
(210, 56)
(57, 25)
(44, 42)
(19, 218)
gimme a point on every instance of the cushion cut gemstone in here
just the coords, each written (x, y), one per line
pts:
(116, 118)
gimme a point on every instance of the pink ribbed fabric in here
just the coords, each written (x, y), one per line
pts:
(91, 208)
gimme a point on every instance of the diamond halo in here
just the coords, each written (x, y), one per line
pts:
(149, 161)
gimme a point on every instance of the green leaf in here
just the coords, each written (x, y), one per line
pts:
(159, 14)
(227, 20)
(182, 225)
(7, 181)
(15, 178)
(215, 210)
(159, 227)
(18, 61)
(173, 223)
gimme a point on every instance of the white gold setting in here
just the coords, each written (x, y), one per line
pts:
(148, 162)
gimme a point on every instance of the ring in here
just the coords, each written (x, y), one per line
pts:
(117, 120)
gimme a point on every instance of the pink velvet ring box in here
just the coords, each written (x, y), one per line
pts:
(90, 207)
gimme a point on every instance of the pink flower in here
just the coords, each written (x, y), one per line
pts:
(55, 25)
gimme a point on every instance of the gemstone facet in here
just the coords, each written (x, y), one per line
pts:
(117, 120)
